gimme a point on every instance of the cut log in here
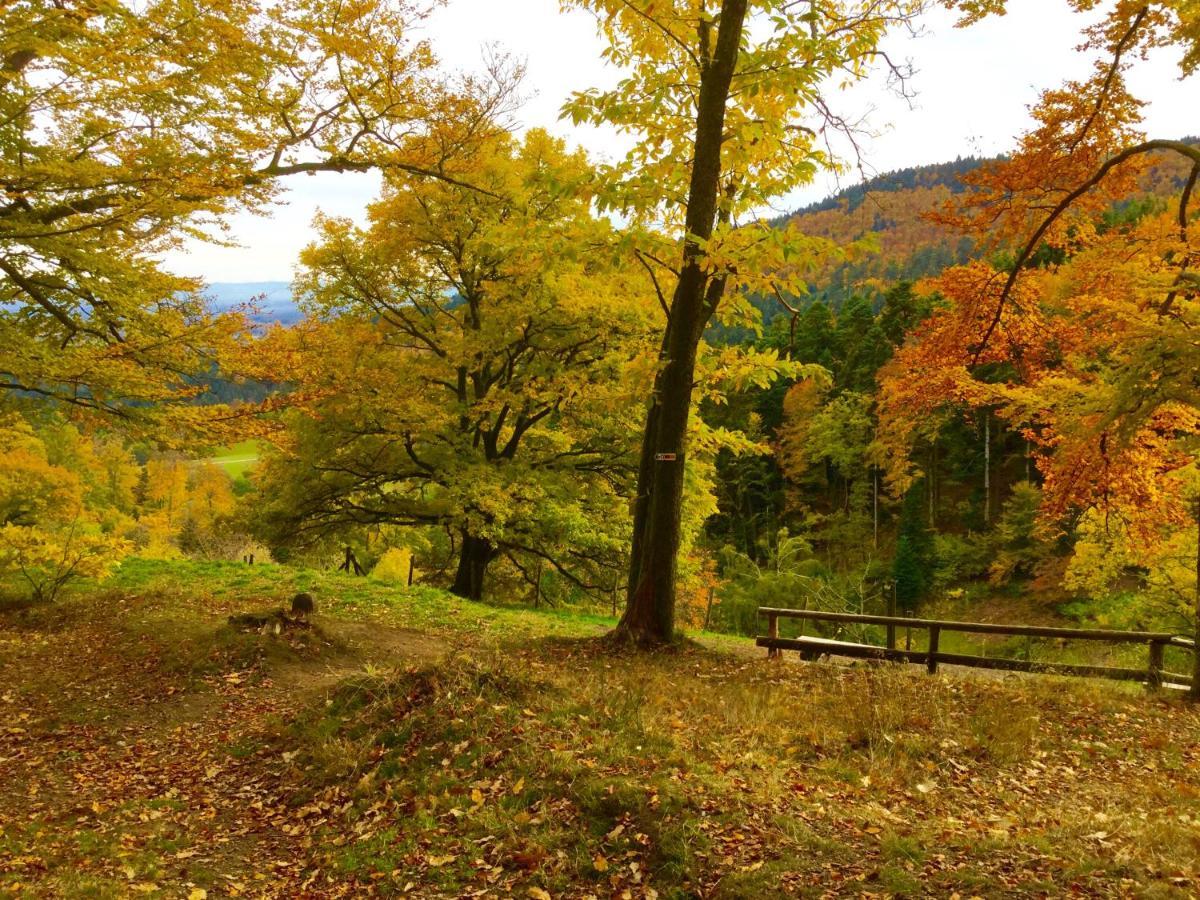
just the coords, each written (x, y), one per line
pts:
(273, 622)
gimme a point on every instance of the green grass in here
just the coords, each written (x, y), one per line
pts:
(356, 598)
(520, 755)
(237, 459)
(692, 766)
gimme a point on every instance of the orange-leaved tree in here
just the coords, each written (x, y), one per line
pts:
(1081, 331)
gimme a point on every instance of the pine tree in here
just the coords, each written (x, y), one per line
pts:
(912, 567)
(909, 577)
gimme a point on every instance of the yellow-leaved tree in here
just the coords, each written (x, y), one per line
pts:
(725, 101)
(474, 357)
(49, 534)
(125, 128)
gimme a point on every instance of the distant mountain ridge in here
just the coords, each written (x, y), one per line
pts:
(272, 300)
(894, 207)
(948, 174)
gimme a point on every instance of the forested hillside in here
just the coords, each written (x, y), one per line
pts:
(899, 208)
(895, 208)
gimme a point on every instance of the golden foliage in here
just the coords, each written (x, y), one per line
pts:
(48, 533)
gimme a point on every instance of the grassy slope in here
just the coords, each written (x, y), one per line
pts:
(236, 459)
(443, 748)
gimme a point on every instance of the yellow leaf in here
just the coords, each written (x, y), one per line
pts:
(600, 863)
(198, 894)
(538, 894)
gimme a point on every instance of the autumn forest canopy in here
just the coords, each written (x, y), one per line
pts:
(619, 385)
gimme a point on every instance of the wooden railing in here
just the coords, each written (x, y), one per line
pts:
(1153, 675)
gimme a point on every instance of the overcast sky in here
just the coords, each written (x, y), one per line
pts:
(974, 88)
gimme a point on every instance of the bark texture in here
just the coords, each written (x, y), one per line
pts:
(473, 561)
(649, 617)
(1194, 693)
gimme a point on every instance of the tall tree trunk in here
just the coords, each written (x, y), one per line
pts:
(473, 561)
(875, 506)
(987, 465)
(649, 617)
(1194, 693)
(932, 485)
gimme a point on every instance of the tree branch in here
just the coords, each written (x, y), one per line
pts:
(1192, 153)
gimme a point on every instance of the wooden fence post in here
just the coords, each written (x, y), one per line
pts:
(931, 659)
(891, 627)
(1154, 676)
(772, 632)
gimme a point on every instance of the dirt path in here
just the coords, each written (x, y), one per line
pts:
(120, 776)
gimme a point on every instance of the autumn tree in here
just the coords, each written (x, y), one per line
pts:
(1081, 335)
(125, 128)
(51, 528)
(478, 352)
(725, 103)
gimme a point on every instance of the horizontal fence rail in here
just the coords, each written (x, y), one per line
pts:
(1153, 674)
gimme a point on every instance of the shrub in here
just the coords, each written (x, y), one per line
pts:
(958, 559)
(393, 565)
(1020, 543)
